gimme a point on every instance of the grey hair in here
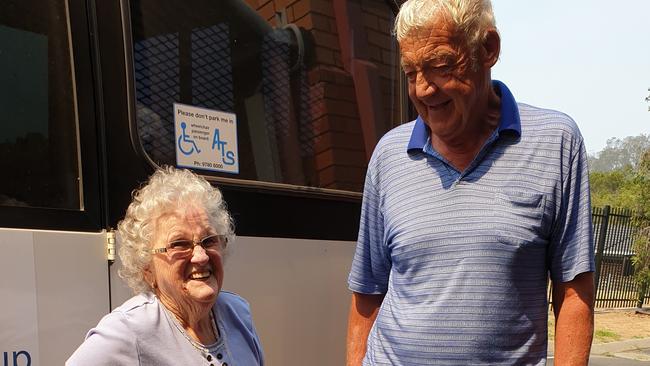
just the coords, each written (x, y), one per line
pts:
(167, 190)
(469, 17)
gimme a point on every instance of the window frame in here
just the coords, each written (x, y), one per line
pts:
(271, 187)
(259, 209)
(89, 216)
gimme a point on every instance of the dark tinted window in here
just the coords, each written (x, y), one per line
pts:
(38, 140)
(303, 117)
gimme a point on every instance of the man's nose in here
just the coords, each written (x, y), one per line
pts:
(423, 86)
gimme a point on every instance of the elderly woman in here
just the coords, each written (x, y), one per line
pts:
(173, 243)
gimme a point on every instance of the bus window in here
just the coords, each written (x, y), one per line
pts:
(38, 140)
(310, 96)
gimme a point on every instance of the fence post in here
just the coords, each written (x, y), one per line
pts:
(600, 246)
(643, 289)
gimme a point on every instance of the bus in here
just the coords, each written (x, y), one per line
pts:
(279, 103)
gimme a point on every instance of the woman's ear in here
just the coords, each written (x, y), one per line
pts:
(149, 277)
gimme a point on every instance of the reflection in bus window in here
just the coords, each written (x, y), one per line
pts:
(38, 139)
(313, 90)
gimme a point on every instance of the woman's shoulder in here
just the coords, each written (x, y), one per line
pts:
(234, 310)
(115, 337)
(232, 301)
(137, 303)
(136, 313)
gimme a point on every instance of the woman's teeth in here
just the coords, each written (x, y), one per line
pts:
(200, 275)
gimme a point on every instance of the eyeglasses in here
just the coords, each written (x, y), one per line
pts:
(185, 247)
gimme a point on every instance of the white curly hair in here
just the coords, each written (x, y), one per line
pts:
(167, 190)
(469, 17)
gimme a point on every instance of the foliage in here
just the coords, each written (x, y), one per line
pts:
(629, 187)
(641, 257)
(620, 154)
(641, 244)
(641, 222)
(624, 187)
(606, 335)
(614, 188)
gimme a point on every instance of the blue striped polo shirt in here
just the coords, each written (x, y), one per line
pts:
(463, 258)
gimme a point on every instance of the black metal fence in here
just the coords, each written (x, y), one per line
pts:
(613, 238)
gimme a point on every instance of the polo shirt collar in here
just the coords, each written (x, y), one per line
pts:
(509, 120)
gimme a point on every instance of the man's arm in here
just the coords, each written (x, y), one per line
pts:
(363, 312)
(573, 305)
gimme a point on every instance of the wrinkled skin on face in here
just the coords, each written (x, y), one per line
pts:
(451, 91)
(187, 287)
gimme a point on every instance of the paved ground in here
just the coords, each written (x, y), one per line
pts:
(633, 352)
(609, 361)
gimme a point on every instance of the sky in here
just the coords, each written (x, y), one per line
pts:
(587, 58)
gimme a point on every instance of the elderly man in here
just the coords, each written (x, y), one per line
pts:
(468, 210)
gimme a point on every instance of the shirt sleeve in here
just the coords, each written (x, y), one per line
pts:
(371, 264)
(111, 342)
(571, 251)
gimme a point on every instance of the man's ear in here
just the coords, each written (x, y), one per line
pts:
(491, 48)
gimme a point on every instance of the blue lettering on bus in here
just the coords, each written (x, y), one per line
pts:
(229, 159)
(26, 359)
(227, 156)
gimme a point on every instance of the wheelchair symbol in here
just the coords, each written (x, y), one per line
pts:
(190, 145)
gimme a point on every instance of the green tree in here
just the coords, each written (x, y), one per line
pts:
(628, 187)
(620, 153)
(610, 188)
(640, 184)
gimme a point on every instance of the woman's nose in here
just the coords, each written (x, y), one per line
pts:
(199, 255)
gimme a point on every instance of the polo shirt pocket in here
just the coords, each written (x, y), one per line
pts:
(518, 217)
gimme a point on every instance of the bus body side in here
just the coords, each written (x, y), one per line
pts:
(90, 88)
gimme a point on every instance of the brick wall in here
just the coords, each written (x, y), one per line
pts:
(339, 160)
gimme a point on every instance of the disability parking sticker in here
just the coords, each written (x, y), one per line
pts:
(206, 139)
